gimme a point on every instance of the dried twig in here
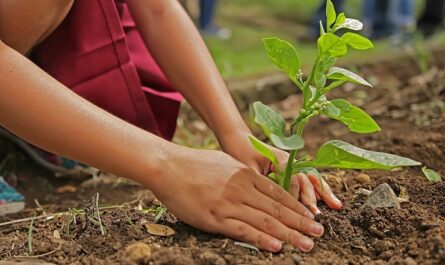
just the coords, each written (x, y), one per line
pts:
(40, 255)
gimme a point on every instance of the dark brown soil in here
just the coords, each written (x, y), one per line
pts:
(411, 111)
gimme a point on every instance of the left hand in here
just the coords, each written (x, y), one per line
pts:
(305, 188)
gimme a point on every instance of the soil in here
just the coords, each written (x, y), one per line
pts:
(408, 105)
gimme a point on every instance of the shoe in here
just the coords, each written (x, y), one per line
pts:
(214, 31)
(60, 166)
(11, 201)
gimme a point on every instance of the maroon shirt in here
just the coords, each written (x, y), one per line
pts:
(99, 54)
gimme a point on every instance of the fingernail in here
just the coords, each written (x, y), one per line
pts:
(274, 245)
(309, 215)
(316, 229)
(336, 200)
(315, 210)
(306, 244)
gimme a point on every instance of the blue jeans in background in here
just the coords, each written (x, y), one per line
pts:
(388, 17)
(207, 14)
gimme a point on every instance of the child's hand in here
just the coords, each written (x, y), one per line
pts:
(213, 191)
(305, 188)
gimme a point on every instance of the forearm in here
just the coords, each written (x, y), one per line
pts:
(39, 109)
(186, 61)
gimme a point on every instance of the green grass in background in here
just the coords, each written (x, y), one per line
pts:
(252, 20)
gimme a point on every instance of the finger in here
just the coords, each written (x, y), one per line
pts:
(308, 197)
(294, 188)
(244, 232)
(278, 194)
(318, 196)
(273, 227)
(325, 192)
(283, 215)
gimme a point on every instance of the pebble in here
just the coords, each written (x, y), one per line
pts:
(362, 179)
(137, 253)
(383, 197)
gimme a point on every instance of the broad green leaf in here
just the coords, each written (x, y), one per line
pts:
(339, 154)
(355, 118)
(331, 110)
(431, 175)
(357, 41)
(284, 55)
(269, 120)
(293, 142)
(331, 44)
(351, 24)
(331, 15)
(337, 73)
(264, 150)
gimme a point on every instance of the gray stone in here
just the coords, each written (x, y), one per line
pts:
(383, 197)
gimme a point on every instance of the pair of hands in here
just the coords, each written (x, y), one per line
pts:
(228, 194)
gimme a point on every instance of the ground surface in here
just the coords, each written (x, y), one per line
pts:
(410, 109)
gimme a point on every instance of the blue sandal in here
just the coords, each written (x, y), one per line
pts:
(11, 201)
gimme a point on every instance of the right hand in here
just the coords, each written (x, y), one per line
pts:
(216, 193)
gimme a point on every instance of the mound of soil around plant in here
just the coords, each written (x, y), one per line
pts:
(411, 111)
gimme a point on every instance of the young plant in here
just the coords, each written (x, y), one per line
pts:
(323, 78)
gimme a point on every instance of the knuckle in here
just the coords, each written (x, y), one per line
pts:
(278, 192)
(241, 231)
(267, 223)
(278, 210)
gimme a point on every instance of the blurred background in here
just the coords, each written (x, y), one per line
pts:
(234, 34)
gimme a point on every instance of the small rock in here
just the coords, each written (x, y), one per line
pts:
(382, 197)
(297, 258)
(137, 253)
(209, 257)
(386, 255)
(56, 234)
(362, 179)
(410, 261)
(382, 245)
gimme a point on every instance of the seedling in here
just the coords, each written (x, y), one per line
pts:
(323, 78)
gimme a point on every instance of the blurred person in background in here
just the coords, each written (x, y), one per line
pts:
(432, 17)
(206, 20)
(395, 19)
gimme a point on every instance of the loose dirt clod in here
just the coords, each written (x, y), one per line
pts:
(137, 253)
(382, 197)
(363, 178)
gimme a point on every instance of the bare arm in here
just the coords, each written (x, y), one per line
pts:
(38, 108)
(185, 59)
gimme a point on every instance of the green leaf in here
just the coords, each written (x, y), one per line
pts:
(331, 110)
(332, 45)
(351, 24)
(284, 55)
(264, 150)
(331, 15)
(431, 175)
(355, 118)
(341, 19)
(339, 154)
(294, 142)
(269, 120)
(337, 73)
(357, 41)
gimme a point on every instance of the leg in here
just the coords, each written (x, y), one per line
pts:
(207, 13)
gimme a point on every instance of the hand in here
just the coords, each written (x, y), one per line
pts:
(305, 188)
(216, 193)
